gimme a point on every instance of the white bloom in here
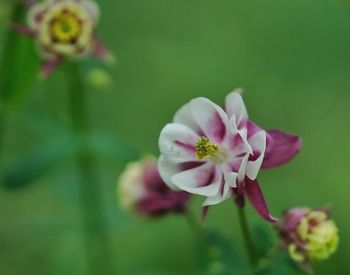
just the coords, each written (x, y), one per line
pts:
(210, 151)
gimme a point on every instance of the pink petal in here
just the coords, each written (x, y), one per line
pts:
(252, 128)
(211, 119)
(203, 180)
(100, 51)
(36, 14)
(281, 147)
(23, 29)
(256, 197)
(30, 3)
(158, 203)
(258, 143)
(154, 205)
(293, 217)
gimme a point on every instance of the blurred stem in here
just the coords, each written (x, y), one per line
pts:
(2, 130)
(10, 38)
(198, 232)
(247, 239)
(194, 225)
(96, 235)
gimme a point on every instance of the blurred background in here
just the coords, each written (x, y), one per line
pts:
(291, 57)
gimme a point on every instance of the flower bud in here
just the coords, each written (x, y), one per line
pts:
(141, 190)
(308, 235)
(99, 79)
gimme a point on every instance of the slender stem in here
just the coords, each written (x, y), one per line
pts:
(198, 231)
(248, 242)
(96, 235)
(2, 131)
(10, 39)
(193, 223)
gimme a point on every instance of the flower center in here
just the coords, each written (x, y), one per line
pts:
(65, 27)
(212, 151)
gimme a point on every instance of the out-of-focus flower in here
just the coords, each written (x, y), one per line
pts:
(141, 190)
(308, 235)
(217, 153)
(64, 29)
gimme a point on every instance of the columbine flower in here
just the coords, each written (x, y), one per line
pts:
(140, 189)
(217, 153)
(308, 235)
(64, 29)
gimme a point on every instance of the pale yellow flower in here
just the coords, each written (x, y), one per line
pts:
(309, 235)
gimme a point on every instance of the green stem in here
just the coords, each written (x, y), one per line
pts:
(10, 39)
(2, 131)
(199, 233)
(195, 226)
(248, 242)
(96, 235)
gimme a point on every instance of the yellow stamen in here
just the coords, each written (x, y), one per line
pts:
(205, 149)
(65, 27)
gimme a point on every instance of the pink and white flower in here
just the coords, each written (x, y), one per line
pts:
(218, 152)
(64, 29)
(141, 190)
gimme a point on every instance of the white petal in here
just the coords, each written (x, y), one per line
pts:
(234, 105)
(218, 198)
(213, 200)
(184, 116)
(167, 169)
(210, 117)
(177, 143)
(258, 143)
(242, 168)
(242, 132)
(231, 179)
(195, 180)
(233, 125)
(94, 10)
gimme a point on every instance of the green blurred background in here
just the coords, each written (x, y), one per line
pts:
(292, 57)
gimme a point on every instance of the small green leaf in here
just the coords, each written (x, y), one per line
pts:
(264, 238)
(223, 259)
(36, 163)
(278, 263)
(284, 265)
(41, 161)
